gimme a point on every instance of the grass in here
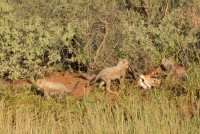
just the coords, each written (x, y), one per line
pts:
(160, 110)
(172, 107)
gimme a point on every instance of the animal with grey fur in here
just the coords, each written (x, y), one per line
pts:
(108, 74)
(50, 88)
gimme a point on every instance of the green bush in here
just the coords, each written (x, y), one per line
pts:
(37, 35)
(28, 47)
(174, 38)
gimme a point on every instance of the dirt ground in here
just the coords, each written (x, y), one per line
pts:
(68, 79)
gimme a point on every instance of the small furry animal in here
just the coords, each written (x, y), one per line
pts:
(176, 71)
(53, 88)
(108, 74)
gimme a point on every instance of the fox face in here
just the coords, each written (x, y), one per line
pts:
(124, 63)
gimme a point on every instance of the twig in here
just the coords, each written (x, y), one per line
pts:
(113, 49)
(98, 52)
(56, 9)
(166, 8)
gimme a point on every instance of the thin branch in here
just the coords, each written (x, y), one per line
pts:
(98, 52)
(166, 8)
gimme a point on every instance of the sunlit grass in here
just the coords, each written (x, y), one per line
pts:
(160, 110)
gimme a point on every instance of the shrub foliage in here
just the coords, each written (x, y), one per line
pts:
(35, 35)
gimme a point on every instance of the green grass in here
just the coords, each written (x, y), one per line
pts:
(160, 110)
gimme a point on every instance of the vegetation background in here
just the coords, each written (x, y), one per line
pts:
(41, 36)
